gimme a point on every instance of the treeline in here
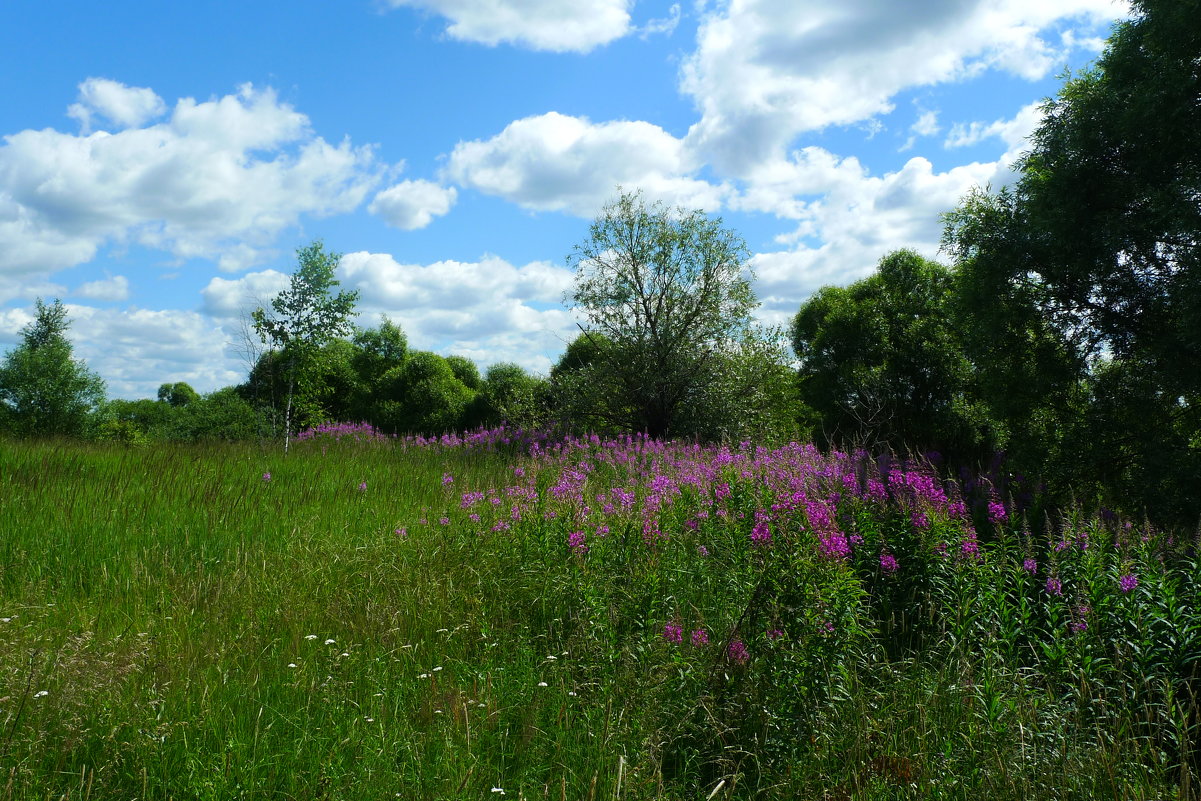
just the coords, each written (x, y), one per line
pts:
(1061, 346)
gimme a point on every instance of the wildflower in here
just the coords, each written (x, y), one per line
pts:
(702, 550)
(444, 521)
(1030, 566)
(825, 627)
(402, 532)
(919, 519)
(575, 541)
(673, 632)
(774, 634)
(310, 636)
(969, 548)
(761, 532)
(41, 693)
(996, 512)
(329, 642)
(291, 664)
(447, 479)
(362, 486)
(1127, 582)
(266, 477)
(700, 637)
(737, 652)
(1054, 586)
(888, 563)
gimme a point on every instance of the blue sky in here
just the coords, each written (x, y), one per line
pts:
(161, 162)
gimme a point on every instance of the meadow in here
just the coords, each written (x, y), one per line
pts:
(507, 615)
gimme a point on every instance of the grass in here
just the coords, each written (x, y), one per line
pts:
(175, 625)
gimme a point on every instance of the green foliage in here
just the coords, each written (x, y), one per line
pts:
(423, 396)
(511, 396)
(1088, 268)
(43, 390)
(177, 394)
(303, 319)
(670, 292)
(883, 363)
(466, 371)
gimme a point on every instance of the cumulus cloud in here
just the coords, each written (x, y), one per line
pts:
(558, 162)
(579, 25)
(1013, 132)
(489, 310)
(113, 288)
(123, 106)
(227, 299)
(410, 205)
(847, 218)
(216, 179)
(767, 70)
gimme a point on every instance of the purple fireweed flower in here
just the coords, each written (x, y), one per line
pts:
(447, 479)
(266, 477)
(673, 633)
(444, 521)
(761, 532)
(919, 519)
(996, 512)
(575, 541)
(1054, 586)
(1080, 619)
(737, 652)
(700, 638)
(970, 549)
(888, 563)
(362, 486)
(825, 627)
(402, 532)
(1127, 582)
(1030, 566)
(774, 634)
(702, 550)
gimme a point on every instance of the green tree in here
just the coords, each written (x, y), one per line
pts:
(510, 395)
(1093, 258)
(424, 396)
(669, 291)
(304, 318)
(44, 391)
(178, 394)
(882, 363)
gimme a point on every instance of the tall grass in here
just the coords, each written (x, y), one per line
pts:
(584, 619)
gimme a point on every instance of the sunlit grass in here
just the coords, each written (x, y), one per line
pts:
(380, 620)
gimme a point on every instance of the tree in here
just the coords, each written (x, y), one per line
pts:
(668, 291)
(882, 362)
(424, 396)
(1095, 251)
(178, 394)
(304, 318)
(43, 390)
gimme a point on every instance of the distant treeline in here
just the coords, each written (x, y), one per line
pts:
(1062, 342)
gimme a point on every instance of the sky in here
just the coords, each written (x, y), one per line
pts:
(160, 163)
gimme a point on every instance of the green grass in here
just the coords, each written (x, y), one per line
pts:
(168, 617)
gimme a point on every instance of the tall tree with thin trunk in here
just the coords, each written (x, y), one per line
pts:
(305, 317)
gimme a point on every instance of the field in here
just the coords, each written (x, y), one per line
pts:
(504, 616)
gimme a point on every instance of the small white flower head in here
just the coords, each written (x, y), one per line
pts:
(572, 693)
(6, 620)
(369, 720)
(437, 668)
(541, 684)
(291, 664)
(310, 636)
(424, 676)
(344, 653)
(329, 642)
(552, 658)
(41, 693)
(498, 790)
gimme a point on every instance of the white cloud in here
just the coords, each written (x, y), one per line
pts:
(124, 106)
(555, 25)
(489, 310)
(1013, 132)
(113, 288)
(227, 299)
(767, 70)
(217, 179)
(665, 25)
(847, 219)
(410, 205)
(558, 162)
